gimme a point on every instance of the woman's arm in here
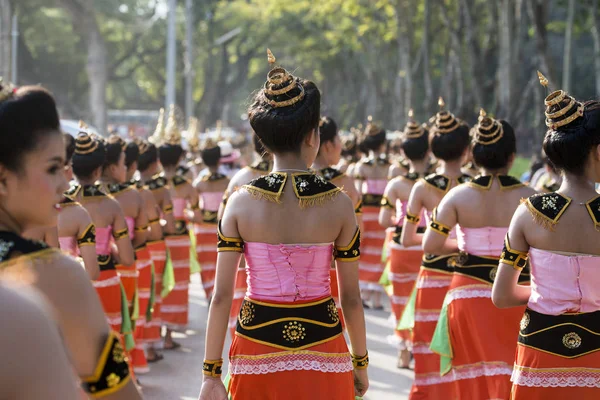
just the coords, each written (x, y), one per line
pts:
(121, 237)
(193, 199)
(506, 291)
(387, 212)
(435, 239)
(141, 224)
(410, 237)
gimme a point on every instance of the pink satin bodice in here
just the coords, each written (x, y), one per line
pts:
(130, 221)
(178, 208)
(103, 239)
(486, 241)
(211, 200)
(68, 244)
(374, 186)
(563, 283)
(287, 272)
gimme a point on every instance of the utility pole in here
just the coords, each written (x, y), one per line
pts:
(171, 53)
(190, 73)
(15, 48)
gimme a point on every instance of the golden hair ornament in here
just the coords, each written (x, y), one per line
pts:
(372, 129)
(172, 132)
(159, 132)
(192, 138)
(413, 129)
(85, 143)
(561, 108)
(281, 83)
(488, 130)
(543, 79)
(445, 121)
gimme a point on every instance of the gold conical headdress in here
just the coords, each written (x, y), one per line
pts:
(192, 137)
(413, 129)
(172, 132)
(445, 122)
(561, 108)
(281, 89)
(488, 130)
(372, 128)
(159, 132)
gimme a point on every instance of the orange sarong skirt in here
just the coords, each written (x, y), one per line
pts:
(206, 251)
(371, 248)
(174, 308)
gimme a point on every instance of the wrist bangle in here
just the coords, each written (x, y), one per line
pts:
(213, 368)
(360, 362)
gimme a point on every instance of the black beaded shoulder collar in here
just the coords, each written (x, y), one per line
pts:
(13, 245)
(310, 189)
(116, 188)
(213, 176)
(547, 208)
(484, 182)
(179, 180)
(93, 191)
(182, 170)
(442, 182)
(411, 176)
(330, 174)
(261, 166)
(379, 161)
(156, 182)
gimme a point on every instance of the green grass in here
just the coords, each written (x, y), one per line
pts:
(520, 165)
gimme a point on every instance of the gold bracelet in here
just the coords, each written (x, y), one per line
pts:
(360, 362)
(213, 368)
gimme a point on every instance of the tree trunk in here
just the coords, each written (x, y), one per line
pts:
(566, 82)
(505, 71)
(596, 36)
(538, 14)
(84, 21)
(473, 53)
(428, 103)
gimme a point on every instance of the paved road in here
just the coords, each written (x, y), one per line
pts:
(179, 375)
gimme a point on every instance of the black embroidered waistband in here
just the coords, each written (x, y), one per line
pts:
(566, 335)
(106, 262)
(210, 217)
(289, 326)
(483, 269)
(440, 263)
(398, 233)
(372, 200)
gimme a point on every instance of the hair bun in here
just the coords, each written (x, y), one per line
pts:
(561, 109)
(372, 129)
(281, 89)
(85, 144)
(488, 130)
(413, 129)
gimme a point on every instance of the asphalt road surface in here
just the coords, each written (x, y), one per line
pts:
(179, 375)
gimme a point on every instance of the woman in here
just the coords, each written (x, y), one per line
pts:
(210, 187)
(557, 351)
(75, 229)
(114, 181)
(110, 224)
(371, 174)
(404, 263)
(149, 309)
(32, 182)
(329, 154)
(449, 144)
(175, 305)
(288, 222)
(256, 169)
(475, 339)
(349, 155)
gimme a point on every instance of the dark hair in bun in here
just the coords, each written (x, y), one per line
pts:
(259, 148)
(90, 154)
(170, 154)
(568, 146)
(148, 154)
(114, 148)
(26, 115)
(416, 148)
(132, 152)
(451, 146)
(69, 147)
(211, 156)
(328, 129)
(373, 140)
(496, 155)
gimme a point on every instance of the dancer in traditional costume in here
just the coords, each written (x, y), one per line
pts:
(349, 155)
(558, 338)
(147, 274)
(33, 181)
(175, 305)
(211, 187)
(109, 222)
(152, 183)
(474, 339)
(75, 229)
(255, 170)
(449, 144)
(404, 263)
(114, 181)
(371, 175)
(330, 151)
(289, 341)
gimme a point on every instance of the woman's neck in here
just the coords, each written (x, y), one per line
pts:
(213, 170)
(493, 172)
(8, 223)
(418, 166)
(580, 188)
(169, 171)
(320, 162)
(375, 154)
(452, 169)
(86, 181)
(289, 161)
(108, 179)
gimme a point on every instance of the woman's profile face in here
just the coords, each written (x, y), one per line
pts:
(31, 194)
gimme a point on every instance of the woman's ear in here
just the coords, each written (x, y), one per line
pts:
(312, 139)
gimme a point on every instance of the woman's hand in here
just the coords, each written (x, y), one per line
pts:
(213, 389)
(361, 382)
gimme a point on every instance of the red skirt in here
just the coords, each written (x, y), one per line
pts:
(144, 267)
(483, 339)
(158, 254)
(538, 375)
(432, 286)
(404, 270)
(206, 251)
(371, 248)
(261, 372)
(174, 308)
(108, 287)
(238, 298)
